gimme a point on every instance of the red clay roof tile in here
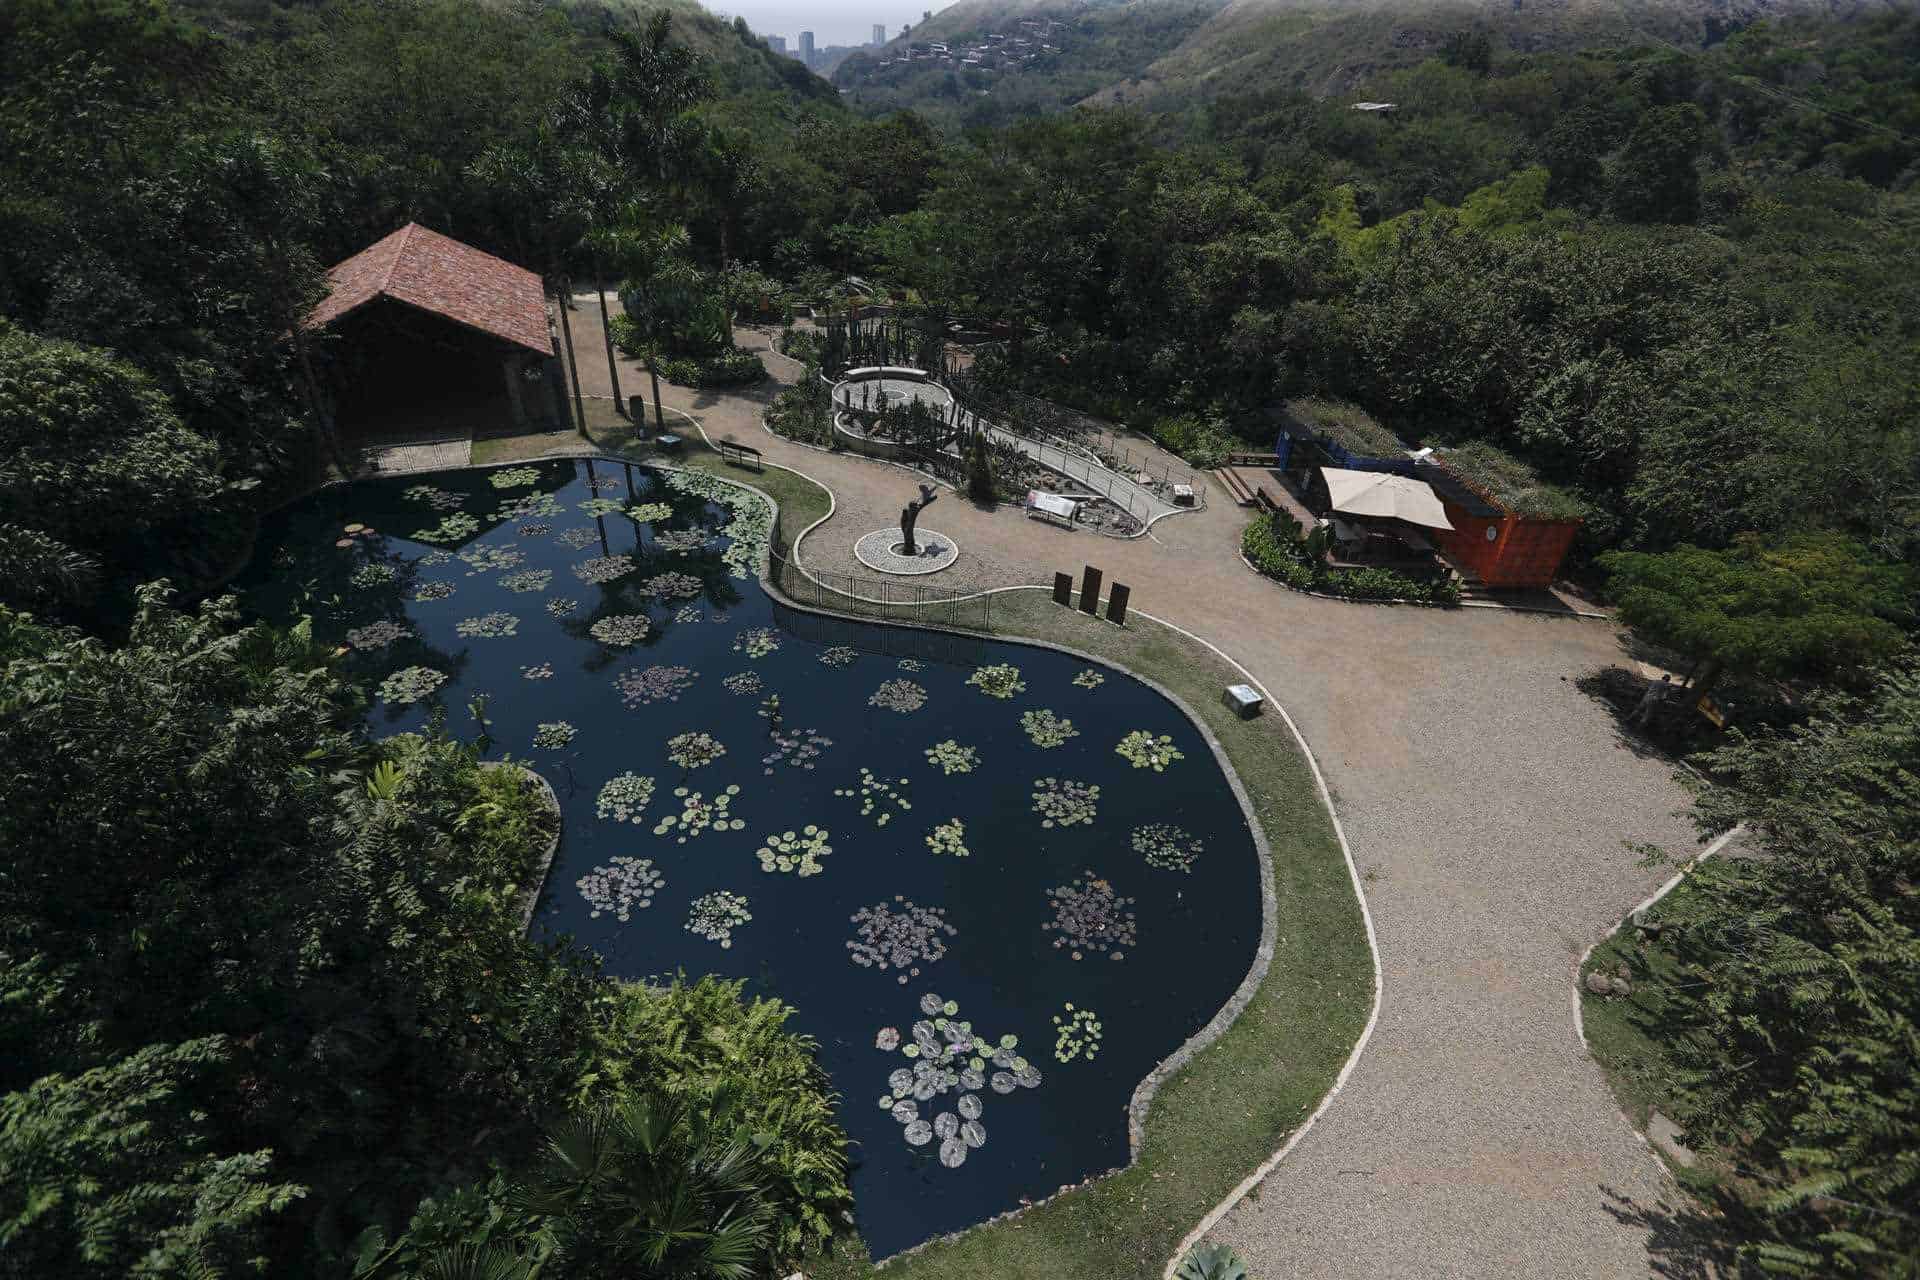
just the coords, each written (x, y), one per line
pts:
(436, 273)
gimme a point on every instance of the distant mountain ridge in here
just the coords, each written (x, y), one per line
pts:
(1107, 54)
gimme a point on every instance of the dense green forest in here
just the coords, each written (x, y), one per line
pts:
(268, 1009)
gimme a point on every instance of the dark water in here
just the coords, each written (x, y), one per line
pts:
(1195, 931)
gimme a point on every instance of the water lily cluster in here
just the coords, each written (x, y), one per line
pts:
(899, 936)
(672, 586)
(757, 642)
(1167, 847)
(528, 581)
(598, 507)
(577, 539)
(488, 625)
(648, 512)
(1089, 679)
(452, 528)
(620, 886)
(698, 814)
(798, 852)
(681, 541)
(621, 630)
(839, 655)
(490, 559)
(603, 569)
(437, 498)
(949, 838)
(1047, 729)
(1090, 915)
(624, 797)
(1076, 1034)
(876, 793)
(999, 680)
(514, 477)
(378, 635)
(798, 749)
(898, 695)
(1061, 802)
(951, 758)
(653, 684)
(433, 591)
(554, 734)
(750, 523)
(372, 574)
(537, 671)
(714, 916)
(562, 606)
(410, 684)
(534, 529)
(948, 1056)
(531, 506)
(744, 683)
(1144, 750)
(693, 750)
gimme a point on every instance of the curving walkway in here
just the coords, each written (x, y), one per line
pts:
(1487, 802)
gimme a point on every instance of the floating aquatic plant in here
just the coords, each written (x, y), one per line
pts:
(562, 606)
(1167, 847)
(433, 558)
(452, 528)
(488, 625)
(999, 680)
(378, 635)
(534, 529)
(951, 758)
(598, 507)
(528, 580)
(672, 586)
(538, 671)
(621, 629)
(839, 655)
(653, 684)
(757, 642)
(490, 559)
(1063, 803)
(577, 539)
(648, 512)
(605, 484)
(949, 837)
(1090, 679)
(1047, 729)
(693, 750)
(899, 695)
(681, 541)
(699, 814)
(624, 797)
(912, 664)
(751, 522)
(714, 916)
(687, 613)
(1090, 915)
(514, 477)
(1145, 751)
(949, 1056)
(798, 749)
(899, 936)
(372, 574)
(437, 498)
(553, 735)
(876, 793)
(410, 684)
(433, 591)
(603, 569)
(619, 887)
(531, 506)
(798, 852)
(744, 683)
(1077, 1034)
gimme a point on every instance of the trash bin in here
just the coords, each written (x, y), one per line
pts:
(1243, 700)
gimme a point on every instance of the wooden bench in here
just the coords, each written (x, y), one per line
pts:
(743, 455)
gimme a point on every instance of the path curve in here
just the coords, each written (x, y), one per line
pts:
(1487, 802)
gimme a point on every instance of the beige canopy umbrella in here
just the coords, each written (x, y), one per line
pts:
(1390, 497)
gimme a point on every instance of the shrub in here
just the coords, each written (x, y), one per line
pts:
(735, 368)
(804, 411)
(1275, 548)
(1201, 442)
(980, 486)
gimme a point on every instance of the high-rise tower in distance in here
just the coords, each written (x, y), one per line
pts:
(806, 47)
(879, 33)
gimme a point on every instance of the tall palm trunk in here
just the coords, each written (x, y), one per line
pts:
(606, 331)
(572, 358)
(659, 419)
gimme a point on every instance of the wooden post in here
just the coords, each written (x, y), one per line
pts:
(1090, 591)
(1063, 589)
(1117, 603)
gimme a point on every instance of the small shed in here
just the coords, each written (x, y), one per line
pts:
(429, 338)
(1510, 528)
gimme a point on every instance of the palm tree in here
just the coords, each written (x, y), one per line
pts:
(659, 284)
(651, 1189)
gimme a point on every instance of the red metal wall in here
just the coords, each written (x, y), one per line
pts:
(1523, 552)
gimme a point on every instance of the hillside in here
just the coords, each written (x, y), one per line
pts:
(1170, 54)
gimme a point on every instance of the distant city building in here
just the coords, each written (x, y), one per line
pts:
(777, 43)
(879, 33)
(806, 47)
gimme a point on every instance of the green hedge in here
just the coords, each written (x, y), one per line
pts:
(734, 368)
(1281, 554)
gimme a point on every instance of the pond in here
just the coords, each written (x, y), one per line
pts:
(926, 843)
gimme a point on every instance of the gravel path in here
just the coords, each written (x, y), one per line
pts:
(1486, 800)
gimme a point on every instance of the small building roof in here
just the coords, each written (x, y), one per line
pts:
(438, 274)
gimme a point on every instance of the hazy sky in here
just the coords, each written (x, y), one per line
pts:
(831, 21)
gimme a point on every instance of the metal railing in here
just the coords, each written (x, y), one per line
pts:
(887, 599)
